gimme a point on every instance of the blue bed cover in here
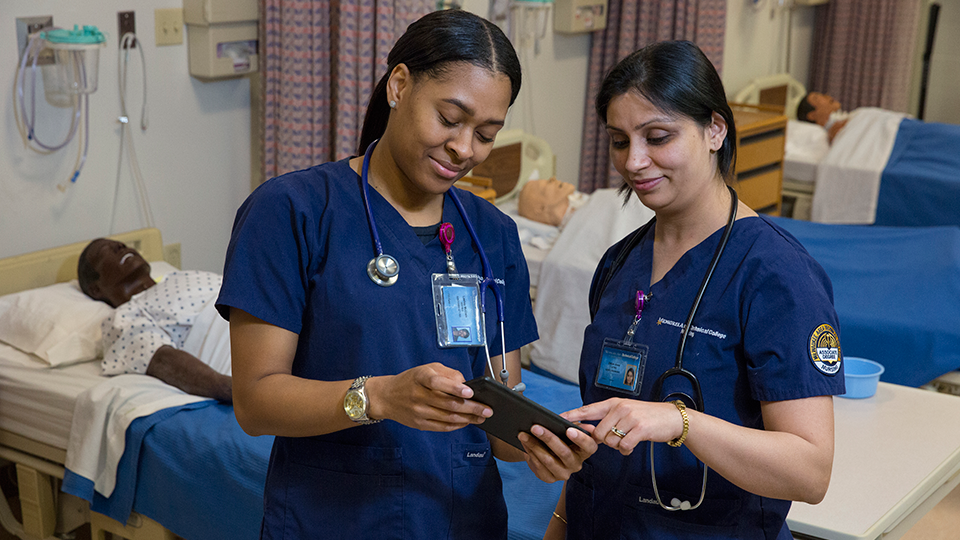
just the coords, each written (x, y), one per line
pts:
(896, 291)
(920, 185)
(193, 470)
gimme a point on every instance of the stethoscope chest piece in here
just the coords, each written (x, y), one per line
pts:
(383, 270)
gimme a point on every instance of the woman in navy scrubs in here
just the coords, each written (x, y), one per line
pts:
(376, 431)
(763, 345)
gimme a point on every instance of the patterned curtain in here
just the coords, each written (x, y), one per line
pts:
(320, 60)
(863, 52)
(632, 24)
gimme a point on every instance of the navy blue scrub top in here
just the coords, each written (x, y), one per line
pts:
(767, 309)
(297, 259)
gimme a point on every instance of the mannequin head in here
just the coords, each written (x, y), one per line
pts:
(816, 107)
(545, 201)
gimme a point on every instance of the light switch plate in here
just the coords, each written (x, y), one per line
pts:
(168, 26)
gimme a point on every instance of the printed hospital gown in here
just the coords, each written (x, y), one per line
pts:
(161, 315)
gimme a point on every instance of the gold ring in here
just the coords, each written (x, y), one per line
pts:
(618, 432)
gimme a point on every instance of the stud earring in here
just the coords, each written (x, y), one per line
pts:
(393, 104)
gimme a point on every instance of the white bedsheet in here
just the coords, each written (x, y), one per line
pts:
(37, 400)
(561, 308)
(848, 178)
(101, 418)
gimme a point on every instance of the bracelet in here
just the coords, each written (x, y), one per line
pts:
(686, 425)
(558, 516)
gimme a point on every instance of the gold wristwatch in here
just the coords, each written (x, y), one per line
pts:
(356, 403)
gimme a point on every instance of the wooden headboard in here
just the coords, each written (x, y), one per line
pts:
(59, 264)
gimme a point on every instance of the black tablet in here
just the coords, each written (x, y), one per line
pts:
(513, 413)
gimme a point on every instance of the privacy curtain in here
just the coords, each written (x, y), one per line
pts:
(863, 52)
(319, 62)
(632, 24)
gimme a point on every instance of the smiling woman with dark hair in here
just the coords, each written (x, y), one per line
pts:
(337, 348)
(747, 412)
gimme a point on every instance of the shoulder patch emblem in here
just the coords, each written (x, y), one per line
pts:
(825, 349)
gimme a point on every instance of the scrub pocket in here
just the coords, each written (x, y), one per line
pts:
(343, 491)
(479, 510)
(714, 519)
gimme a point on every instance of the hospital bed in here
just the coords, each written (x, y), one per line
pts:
(184, 469)
(883, 168)
(895, 289)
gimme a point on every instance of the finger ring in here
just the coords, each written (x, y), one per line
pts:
(618, 432)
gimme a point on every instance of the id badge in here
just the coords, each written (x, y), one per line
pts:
(456, 303)
(621, 366)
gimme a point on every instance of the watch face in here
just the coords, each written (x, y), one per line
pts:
(353, 404)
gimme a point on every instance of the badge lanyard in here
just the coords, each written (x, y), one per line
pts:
(622, 362)
(459, 299)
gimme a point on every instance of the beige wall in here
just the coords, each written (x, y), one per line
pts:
(195, 154)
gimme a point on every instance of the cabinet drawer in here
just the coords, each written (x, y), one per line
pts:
(761, 190)
(760, 150)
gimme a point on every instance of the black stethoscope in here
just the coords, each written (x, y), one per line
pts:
(384, 269)
(696, 400)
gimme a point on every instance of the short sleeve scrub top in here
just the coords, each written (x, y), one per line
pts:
(766, 330)
(297, 259)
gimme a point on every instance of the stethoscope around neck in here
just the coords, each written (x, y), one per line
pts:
(384, 269)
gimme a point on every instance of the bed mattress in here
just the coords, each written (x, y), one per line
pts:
(37, 401)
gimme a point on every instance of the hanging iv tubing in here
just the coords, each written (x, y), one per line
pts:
(75, 51)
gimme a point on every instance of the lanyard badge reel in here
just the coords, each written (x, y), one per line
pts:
(622, 361)
(456, 300)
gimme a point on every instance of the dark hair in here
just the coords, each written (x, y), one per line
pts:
(804, 108)
(676, 77)
(86, 273)
(427, 48)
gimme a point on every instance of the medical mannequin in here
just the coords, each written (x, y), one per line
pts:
(763, 344)
(116, 274)
(549, 201)
(344, 361)
(822, 109)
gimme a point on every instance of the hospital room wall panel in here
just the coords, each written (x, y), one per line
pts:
(195, 155)
(198, 158)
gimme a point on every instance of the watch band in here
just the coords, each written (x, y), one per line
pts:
(358, 390)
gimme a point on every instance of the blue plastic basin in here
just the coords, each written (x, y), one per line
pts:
(861, 377)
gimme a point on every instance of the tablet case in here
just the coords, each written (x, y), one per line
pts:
(513, 413)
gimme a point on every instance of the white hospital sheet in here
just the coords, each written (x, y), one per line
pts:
(848, 178)
(101, 418)
(36, 401)
(561, 308)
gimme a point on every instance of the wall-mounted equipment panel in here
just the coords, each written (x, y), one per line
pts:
(221, 37)
(576, 16)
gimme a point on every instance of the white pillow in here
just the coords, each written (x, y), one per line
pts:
(58, 323)
(807, 141)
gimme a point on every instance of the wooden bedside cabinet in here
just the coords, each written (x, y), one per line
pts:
(761, 134)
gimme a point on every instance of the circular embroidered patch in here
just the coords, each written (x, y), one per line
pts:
(825, 349)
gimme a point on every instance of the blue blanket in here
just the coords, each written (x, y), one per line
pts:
(195, 471)
(920, 185)
(896, 291)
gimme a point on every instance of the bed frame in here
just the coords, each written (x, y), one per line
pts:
(46, 511)
(780, 89)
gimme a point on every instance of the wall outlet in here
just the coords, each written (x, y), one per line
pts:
(171, 254)
(168, 24)
(126, 22)
(29, 25)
